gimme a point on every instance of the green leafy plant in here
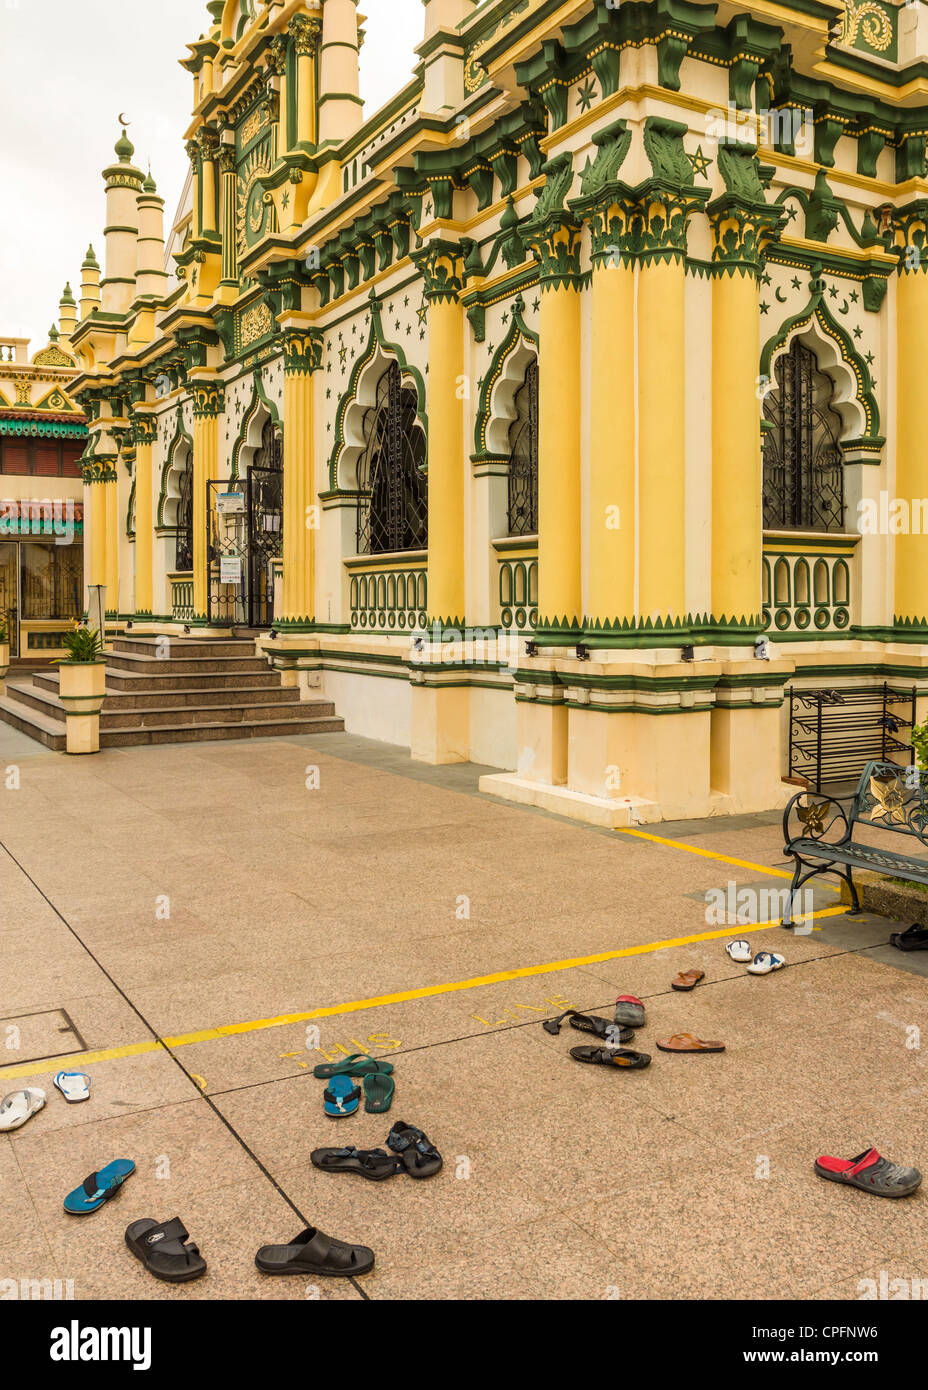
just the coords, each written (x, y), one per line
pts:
(83, 645)
(920, 743)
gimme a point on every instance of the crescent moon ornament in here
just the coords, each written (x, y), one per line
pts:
(780, 296)
(123, 121)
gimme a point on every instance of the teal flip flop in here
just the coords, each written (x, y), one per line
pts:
(340, 1098)
(378, 1093)
(99, 1187)
(358, 1064)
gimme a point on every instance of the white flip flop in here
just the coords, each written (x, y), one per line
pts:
(73, 1085)
(765, 962)
(739, 951)
(20, 1106)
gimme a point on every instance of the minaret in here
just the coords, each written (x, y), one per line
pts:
(150, 275)
(123, 185)
(443, 58)
(67, 316)
(90, 284)
(340, 105)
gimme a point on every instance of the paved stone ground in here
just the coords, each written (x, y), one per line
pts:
(692, 1179)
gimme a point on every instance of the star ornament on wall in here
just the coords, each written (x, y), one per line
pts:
(699, 162)
(585, 94)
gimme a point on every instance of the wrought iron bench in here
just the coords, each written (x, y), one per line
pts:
(888, 797)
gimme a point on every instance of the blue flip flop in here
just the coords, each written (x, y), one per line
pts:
(99, 1188)
(341, 1098)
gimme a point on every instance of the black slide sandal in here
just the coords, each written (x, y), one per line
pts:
(589, 1023)
(163, 1251)
(313, 1252)
(373, 1164)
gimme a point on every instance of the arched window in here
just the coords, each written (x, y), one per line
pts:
(392, 488)
(523, 457)
(270, 452)
(803, 473)
(184, 555)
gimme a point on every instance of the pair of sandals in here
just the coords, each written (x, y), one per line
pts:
(167, 1252)
(18, 1107)
(763, 963)
(613, 1034)
(341, 1098)
(412, 1152)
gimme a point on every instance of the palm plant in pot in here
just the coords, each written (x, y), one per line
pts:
(83, 672)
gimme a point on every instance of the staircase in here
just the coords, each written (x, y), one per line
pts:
(203, 689)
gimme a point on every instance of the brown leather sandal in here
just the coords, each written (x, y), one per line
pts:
(685, 1042)
(688, 979)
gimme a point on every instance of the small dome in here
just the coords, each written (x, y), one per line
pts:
(124, 147)
(149, 186)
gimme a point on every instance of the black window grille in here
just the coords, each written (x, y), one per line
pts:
(184, 554)
(270, 452)
(392, 487)
(523, 458)
(803, 472)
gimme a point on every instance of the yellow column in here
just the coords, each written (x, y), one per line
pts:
(737, 478)
(112, 543)
(208, 404)
(556, 243)
(911, 550)
(611, 584)
(306, 34)
(145, 432)
(208, 152)
(441, 266)
(662, 439)
(95, 492)
(302, 357)
(229, 179)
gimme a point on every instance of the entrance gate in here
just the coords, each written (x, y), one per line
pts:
(244, 520)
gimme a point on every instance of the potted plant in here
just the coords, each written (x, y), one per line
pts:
(82, 688)
(4, 650)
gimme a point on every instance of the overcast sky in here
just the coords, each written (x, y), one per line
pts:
(67, 70)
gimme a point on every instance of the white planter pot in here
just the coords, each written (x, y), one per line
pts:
(82, 691)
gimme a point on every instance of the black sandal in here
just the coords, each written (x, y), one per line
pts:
(312, 1252)
(589, 1023)
(420, 1157)
(374, 1164)
(164, 1250)
(612, 1057)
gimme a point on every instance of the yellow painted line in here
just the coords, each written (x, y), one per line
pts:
(86, 1059)
(713, 854)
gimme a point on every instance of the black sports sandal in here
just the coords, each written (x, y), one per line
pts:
(164, 1250)
(312, 1252)
(589, 1023)
(374, 1164)
(612, 1057)
(420, 1157)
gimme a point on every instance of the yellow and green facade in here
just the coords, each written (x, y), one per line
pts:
(518, 413)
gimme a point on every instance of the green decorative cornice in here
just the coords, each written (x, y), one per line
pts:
(100, 468)
(144, 430)
(208, 399)
(302, 352)
(441, 266)
(910, 226)
(743, 223)
(553, 233)
(909, 629)
(604, 202)
(699, 629)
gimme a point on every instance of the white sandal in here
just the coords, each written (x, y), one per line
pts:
(765, 962)
(739, 951)
(20, 1106)
(73, 1085)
